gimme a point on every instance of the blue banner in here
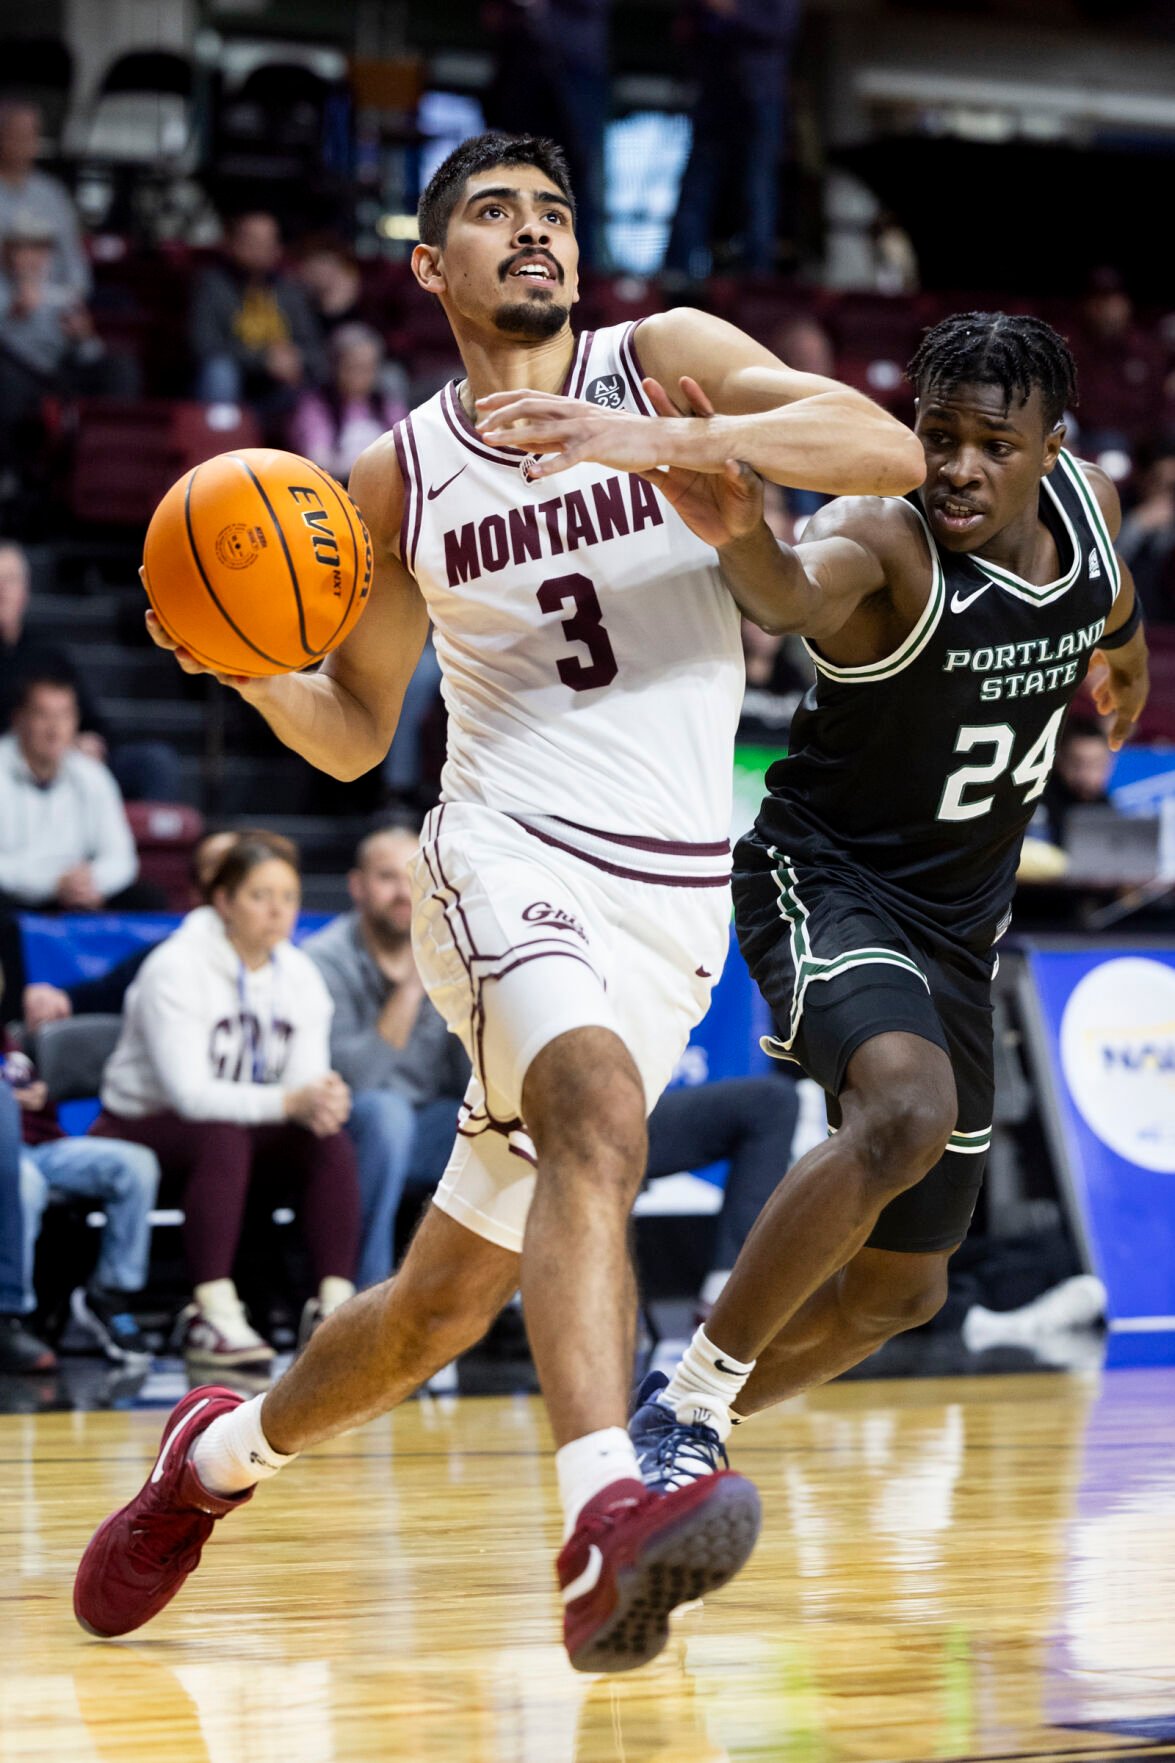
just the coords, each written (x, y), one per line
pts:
(63, 950)
(1109, 1023)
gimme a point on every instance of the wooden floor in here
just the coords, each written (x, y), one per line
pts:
(981, 1568)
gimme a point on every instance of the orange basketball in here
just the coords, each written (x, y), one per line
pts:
(257, 562)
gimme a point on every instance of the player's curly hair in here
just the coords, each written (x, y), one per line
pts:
(480, 153)
(1009, 350)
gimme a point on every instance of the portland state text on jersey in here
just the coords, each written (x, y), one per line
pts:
(1043, 664)
(619, 506)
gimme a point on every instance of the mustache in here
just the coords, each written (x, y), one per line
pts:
(530, 256)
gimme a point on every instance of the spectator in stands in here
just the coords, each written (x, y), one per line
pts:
(48, 345)
(105, 995)
(742, 61)
(253, 331)
(30, 196)
(122, 1177)
(749, 1122)
(329, 271)
(65, 844)
(1120, 369)
(333, 425)
(45, 328)
(1147, 541)
(223, 1069)
(551, 78)
(1080, 775)
(146, 771)
(20, 1349)
(406, 1072)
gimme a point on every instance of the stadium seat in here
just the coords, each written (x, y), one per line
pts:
(165, 834)
(130, 451)
(142, 114)
(71, 1056)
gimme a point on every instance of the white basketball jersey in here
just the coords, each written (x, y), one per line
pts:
(592, 667)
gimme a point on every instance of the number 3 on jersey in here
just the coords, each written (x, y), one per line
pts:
(586, 626)
(1031, 774)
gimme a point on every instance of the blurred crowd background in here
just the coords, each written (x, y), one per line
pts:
(206, 218)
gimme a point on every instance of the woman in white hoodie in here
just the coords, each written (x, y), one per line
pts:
(223, 1068)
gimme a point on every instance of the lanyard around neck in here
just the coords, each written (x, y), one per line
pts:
(258, 1046)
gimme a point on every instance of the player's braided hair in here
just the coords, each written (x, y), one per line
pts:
(1012, 351)
(481, 153)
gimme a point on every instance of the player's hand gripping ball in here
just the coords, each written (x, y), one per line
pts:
(257, 562)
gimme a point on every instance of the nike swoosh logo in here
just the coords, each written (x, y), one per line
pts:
(721, 1365)
(439, 489)
(958, 605)
(587, 1580)
(169, 1441)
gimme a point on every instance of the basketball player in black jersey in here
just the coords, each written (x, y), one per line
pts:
(950, 630)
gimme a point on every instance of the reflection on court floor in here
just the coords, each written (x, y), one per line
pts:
(949, 1569)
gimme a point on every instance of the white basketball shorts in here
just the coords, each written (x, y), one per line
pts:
(521, 935)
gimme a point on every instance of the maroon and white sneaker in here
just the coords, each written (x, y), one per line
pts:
(220, 1337)
(635, 1555)
(138, 1559)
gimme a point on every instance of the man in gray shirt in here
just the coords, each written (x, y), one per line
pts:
(406, 1072)
(31, 198)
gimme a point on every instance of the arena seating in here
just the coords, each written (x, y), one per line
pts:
(129, 452)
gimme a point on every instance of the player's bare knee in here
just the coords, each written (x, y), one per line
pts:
(907, 1136)
(584, 1105)
(899, 1113)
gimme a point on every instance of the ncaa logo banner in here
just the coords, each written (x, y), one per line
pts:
(1109, 1023)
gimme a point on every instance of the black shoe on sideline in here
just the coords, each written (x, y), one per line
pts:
(105, 1317)
(22, 1351)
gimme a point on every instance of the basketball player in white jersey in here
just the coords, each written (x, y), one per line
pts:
(572, 901)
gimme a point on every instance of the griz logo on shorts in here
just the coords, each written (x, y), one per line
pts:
(541, 912)
(607, 391)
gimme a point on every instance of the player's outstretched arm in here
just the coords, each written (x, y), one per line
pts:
(855, 550)
(1119, 677)
(793, 428)
(342, 718)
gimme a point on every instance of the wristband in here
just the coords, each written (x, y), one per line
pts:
(1117, 639)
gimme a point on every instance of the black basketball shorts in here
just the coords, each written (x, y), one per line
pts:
(838, 967)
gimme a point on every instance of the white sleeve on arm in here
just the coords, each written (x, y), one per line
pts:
(115, 862)
(176, 1025)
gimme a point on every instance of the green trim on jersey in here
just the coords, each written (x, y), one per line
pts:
(913, 644)
(1036, 593)
(809, 966)
(1041, 595)
(1097, 521)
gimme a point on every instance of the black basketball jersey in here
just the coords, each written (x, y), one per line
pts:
(925, 768)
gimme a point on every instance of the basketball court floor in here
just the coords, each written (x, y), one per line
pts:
(950, 1568)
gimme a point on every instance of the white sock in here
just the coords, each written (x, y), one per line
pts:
(233, 1453)
(588, 1465)
(705, 1385)
(333, 1291)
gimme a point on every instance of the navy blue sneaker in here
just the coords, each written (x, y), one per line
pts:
(671, 1452)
